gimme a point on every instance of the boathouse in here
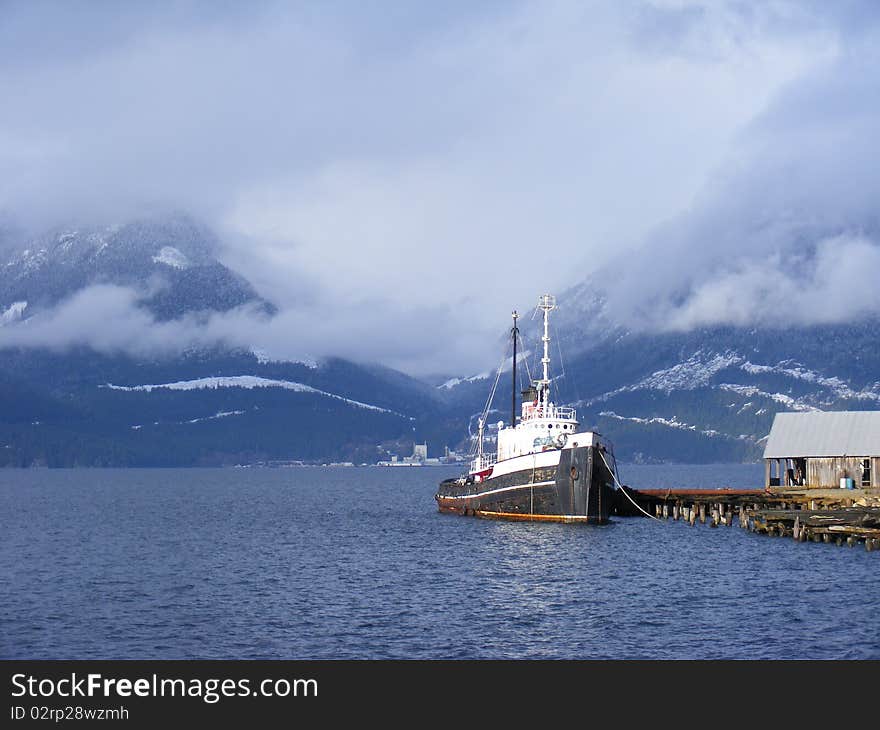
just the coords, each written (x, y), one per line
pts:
(824, 449)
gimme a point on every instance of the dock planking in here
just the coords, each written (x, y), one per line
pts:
(842, 517)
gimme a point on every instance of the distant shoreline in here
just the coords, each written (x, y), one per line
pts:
(354, 466)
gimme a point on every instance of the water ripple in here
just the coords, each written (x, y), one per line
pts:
(205, 563)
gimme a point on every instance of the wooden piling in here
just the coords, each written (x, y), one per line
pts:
(832, 520)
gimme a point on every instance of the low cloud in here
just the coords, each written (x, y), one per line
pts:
(788, 231)
(832, 286)
(109, 319)
(397, 181)
(113, 319)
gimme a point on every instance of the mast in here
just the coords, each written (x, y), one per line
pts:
(514, 332)
(547, 303)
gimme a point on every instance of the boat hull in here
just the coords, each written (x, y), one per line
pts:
(578, 488)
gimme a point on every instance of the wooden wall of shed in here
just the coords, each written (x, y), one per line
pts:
(875, 471)
(827, 472)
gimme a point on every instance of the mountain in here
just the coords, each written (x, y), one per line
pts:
(82, 408)
(171, 261)
(79, 407)
(706, 395)
(700, 396)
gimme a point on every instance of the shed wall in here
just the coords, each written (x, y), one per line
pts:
(827, 472)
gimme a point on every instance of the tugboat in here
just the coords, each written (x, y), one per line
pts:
(546, 468)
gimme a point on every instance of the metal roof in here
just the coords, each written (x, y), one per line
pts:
(824, 433)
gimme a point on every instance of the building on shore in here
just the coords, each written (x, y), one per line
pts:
(824, 449)
(419, 458)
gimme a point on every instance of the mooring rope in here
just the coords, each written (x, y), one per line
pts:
(620, 486)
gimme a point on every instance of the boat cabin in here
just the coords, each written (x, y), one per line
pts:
(541, 425)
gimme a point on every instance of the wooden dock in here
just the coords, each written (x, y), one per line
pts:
(843, 517)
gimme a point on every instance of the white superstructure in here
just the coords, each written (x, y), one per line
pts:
(543, 428)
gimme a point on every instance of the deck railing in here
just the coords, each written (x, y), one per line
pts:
(562, 413)
(483, 462)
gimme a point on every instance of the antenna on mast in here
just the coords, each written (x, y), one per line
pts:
(547, 303)
(514, 333)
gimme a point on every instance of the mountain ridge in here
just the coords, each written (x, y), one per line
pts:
(708, 394)
(171, 262)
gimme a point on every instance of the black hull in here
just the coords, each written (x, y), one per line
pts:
(579, 489)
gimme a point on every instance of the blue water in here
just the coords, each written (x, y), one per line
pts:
(308, 563)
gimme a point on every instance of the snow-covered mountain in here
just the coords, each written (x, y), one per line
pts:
(704, 395)
(218, 405)
(172, 261)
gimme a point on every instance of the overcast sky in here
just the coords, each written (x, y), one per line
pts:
(397, 176)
